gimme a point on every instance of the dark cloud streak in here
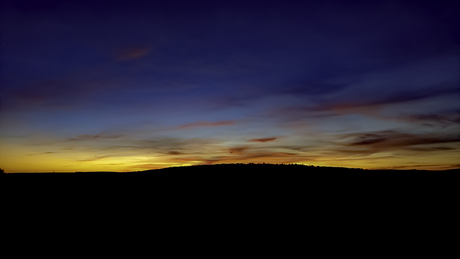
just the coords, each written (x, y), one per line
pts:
(393, 141)
(262, 139)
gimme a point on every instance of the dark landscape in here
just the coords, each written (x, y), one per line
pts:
(255, 169)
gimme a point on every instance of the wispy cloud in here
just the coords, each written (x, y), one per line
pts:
(262, 139)
(313, 88)
(95, 158)
(367, 107)
(371, 92)
(54, 92)
(201, 124)
(174, 153)
(368, 143)
(132, 53)
(43, 153)
(238, 150)
(443, 119)
(102, 135)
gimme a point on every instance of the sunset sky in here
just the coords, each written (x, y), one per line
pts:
(135, 85)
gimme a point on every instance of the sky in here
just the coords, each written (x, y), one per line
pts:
(137, 85)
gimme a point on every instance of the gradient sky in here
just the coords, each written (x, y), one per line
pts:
(136, 85)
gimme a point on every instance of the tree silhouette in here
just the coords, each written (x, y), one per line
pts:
(2, 171)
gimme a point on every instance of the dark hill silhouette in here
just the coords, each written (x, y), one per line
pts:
(233, 179)
(255, 168)
(238, 168)
(276, 168)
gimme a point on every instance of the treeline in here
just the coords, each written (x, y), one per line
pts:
(269, 164)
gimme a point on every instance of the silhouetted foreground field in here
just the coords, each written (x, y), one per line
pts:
(266, 181)
(265, 169)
